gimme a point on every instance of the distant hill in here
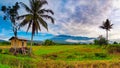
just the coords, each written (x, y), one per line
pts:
(3, 40)
(71, 39)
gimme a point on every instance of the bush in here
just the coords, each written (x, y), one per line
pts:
(71, 56)
(48, 42)
(5, 51)
(114, 49)
(0, 50)
(100, 41)
(4, 43)
(101, 55)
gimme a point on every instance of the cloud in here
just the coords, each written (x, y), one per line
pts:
(78, 41)
(73, 41)
(80, 17)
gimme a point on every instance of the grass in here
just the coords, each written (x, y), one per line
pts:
(61, 57)
(4, 66)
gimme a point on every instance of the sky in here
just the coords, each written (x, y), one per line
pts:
(72, 17)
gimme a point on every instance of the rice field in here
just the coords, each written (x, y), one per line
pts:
(62, 56)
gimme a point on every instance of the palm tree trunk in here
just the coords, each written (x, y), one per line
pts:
(31, 45)
(107, 36)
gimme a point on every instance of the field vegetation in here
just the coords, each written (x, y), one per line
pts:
(63, 56)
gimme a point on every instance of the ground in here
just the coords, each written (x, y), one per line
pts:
(61, 56)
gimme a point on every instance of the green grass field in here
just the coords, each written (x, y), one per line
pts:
(64, 56)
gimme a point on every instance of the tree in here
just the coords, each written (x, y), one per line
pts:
(36, 16)
(48, 42)
(115, 42)
(100, 41)
(11, 12)
(107, 26)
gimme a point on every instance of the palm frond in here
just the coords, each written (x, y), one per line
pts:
(102, 27)
(26, 7)
(43, 23)
(48, 17)
(30, 24)
(25, 21)
(23, 16)
(42, 11)
(43, 2)
(106, 25)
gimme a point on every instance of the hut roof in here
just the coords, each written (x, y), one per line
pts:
(20, 38)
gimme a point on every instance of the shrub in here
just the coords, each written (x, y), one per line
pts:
(71, 56)
(101, 55)
(0, 50)
(5, 51)
(114, 49)
(48, 42)
(100, 41)
(53, 56)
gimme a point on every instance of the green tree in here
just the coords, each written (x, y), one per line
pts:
(11, 12)
(107, 26)
(100, 41)
(115, 42)
(35, 17)
(48, 42)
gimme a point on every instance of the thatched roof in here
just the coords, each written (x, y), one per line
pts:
(20, 38)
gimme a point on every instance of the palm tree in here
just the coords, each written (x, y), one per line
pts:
(107, 26)
(36, 16)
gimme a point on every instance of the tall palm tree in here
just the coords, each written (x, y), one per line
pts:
(107, 26)
(36, 16)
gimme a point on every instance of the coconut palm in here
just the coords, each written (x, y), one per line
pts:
(107, 26)
(35, 17)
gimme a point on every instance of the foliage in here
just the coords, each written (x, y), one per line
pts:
(101, 55)
(35, 16)
(107, 26)
(100, 41)
(115, 42)
(4, 66)
(114, 49)
(62, 57)
(5, 51)
(11, 12)
(4, 43)
(0, 50)
(48, 42)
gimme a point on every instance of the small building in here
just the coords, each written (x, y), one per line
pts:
(18, 42)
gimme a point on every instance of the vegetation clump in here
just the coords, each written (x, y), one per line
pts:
(48, 42)
(100, 41)
(114, 49)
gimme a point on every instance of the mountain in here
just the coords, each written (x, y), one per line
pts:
(71, 39)
(2, 40)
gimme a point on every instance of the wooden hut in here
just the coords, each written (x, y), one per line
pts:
(18, 42)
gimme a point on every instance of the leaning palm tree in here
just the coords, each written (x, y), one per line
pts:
(107, 26)
(36, 16)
